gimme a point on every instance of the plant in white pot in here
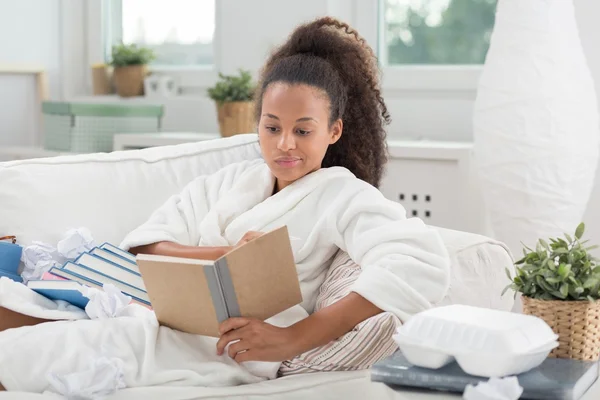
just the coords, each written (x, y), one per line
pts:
(130, 68)
(560, 283)
(233, 95)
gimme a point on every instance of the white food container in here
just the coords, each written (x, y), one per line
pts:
(484, 342)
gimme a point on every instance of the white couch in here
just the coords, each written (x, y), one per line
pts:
(113, 193)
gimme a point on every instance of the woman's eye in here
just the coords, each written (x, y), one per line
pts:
(302, 132)
(271, 129)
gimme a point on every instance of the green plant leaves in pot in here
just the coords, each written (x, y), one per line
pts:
(558, 269)
(124, 55)
(231, 88)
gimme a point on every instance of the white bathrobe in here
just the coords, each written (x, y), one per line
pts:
(405, 264)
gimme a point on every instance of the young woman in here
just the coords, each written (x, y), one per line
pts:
(321, 123)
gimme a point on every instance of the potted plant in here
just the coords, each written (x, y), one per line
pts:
(130, 68)
(233, 96)
(560, 283)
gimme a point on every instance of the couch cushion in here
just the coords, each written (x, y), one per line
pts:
(369, 341)
(111, 194)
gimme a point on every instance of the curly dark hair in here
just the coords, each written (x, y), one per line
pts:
(330, 55)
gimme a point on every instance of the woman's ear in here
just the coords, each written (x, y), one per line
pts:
(336, 131)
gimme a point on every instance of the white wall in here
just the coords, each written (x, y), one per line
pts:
(30, 35)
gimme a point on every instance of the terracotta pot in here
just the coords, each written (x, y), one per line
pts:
(577, 324)
(129, 80)
(236, 117)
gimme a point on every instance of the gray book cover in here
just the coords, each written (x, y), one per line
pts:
(554, 379)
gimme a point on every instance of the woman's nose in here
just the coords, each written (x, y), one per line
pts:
(286, 142)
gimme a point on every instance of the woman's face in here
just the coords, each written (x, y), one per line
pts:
(294, 130)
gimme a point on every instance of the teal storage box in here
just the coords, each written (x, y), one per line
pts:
(81, 127)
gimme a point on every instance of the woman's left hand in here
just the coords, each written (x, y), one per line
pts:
(255, 340)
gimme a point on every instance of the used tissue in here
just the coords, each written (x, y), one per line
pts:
(75, 242)
(107, 303)
(40, 257)
(112, 303)
(494, 389)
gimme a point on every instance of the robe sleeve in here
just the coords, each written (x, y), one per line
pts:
(405, 265)
(178, 219)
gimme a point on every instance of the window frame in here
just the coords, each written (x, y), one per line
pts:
(188, 77)
(364, 15)
(414, 77)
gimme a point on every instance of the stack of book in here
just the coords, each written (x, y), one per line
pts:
(104, 264)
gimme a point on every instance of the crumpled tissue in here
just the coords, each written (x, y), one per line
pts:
(112, 303)
(39, 257)
(494, 389)
(103, 378)
(107, 303)
(75, 242)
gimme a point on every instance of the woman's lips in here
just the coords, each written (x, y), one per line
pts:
(287, 162)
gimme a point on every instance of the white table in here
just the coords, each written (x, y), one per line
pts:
(130, 141)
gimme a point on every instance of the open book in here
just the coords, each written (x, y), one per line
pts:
(257, 279)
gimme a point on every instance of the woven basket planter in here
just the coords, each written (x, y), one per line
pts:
(236, 117)
(577, 323)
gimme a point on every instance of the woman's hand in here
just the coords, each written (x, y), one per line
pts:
(255, 340)
(248, 236)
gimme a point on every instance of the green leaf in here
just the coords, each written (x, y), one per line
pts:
(569, 238)
(564, 289)
(505, 289)
(553, 280)
(561, 250)
(579, 231)
(551, 264)
(590, 283)
(521, 261)
(591, 247)
(590, 298)
(508, 274)
(544, 244)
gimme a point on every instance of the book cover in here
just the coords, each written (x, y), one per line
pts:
(554, 379)
(91, 278)
(68, 291)
(48, 276)
(257, 280)
(111, 270)
(118, 251)
(9, 275)
(116, 259)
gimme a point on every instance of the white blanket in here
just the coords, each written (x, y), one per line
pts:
(405, 270)
(150, 355)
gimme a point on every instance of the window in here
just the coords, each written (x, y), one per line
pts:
(436, 31)
(181, 32)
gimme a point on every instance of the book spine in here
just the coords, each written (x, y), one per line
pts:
(216, 292)
(224, 276)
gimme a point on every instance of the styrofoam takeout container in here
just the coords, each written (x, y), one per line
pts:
(484, 342)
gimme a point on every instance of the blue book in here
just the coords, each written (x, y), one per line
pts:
(116, 259)
(10, 257)
(111, 270)
(92, 278)
(68, 291)
(118, 251)
(14, 277)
